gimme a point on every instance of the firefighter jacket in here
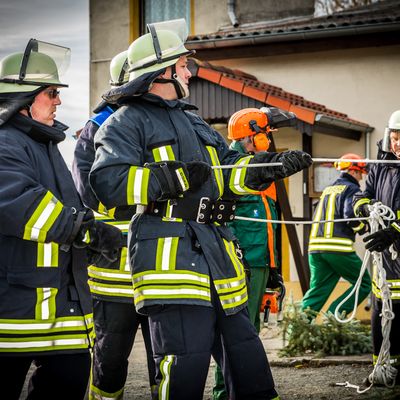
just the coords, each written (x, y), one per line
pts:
(258, 240)
(383, 184)
(110, 281)
(173, 260)
(335, 203)
(45, 300)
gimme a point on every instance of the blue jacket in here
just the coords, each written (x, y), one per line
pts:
(45, 301)
(111, 281)
(335, 203)
(173, 260)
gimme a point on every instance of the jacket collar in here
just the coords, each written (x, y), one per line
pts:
(37, 131)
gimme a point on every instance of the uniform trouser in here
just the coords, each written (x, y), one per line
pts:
(115, 326)
(183, 338)
(326, 270)
(394, 332)
(57, 376)
(256, 288)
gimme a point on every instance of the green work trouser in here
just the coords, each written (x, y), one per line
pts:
(256, 290)
(326, 270)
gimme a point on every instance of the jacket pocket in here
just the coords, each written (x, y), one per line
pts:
(39, 278)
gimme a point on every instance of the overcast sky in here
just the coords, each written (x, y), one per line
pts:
(63, 22)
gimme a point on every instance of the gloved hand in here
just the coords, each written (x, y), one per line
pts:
(106, 239)
(383, 238)
(175, 177)
(275, 279)
(199, 172)
(292, 161)
(363, 210)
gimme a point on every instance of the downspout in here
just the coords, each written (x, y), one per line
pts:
(368, 144)
(232, 13)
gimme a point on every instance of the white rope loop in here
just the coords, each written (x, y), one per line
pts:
(383, 373)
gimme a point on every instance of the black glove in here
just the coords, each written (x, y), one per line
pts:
(199, 172)
(172, 176)
(383, 238)
(292, 161)
(106, 239)
(275, 279)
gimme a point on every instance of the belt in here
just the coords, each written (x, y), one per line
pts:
(203, 211)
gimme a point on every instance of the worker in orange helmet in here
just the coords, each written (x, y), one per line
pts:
(250, 130)
(331, 254)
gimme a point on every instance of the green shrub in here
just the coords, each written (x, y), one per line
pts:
(303, 335)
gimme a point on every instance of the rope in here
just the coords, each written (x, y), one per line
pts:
(274, 221)
(315, 160)
(383, 373)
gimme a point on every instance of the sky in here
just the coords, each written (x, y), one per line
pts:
(62, 22)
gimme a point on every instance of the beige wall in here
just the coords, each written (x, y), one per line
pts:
(363, 83)
(109, 35)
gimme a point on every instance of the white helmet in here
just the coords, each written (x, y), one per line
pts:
(119, 73)
(393, 126)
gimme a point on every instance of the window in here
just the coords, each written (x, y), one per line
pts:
(163, 10)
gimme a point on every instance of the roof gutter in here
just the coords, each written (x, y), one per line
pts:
(232, 13)
(339, 123)
(300, 35)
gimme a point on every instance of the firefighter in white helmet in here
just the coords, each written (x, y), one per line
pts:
(383, 184)
(156, 154)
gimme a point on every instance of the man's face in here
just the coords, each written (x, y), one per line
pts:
(395, 143)
(44, 107)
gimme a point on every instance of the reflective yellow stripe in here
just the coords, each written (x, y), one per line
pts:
(318, 215)
(166, 253)
(45, 303)
(43, 218)
(103, 210)
(168, 213)
(97, 394)
(137, 185)
(333, 191)
(110, 289)
(218, 175)
(163, 153)
(360, 203)
(237, 264)
(165, 369)
(47, 255)
(236, 180)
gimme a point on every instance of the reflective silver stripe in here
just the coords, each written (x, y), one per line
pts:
(237, 175)
(24, 326)
(111, 290)
(121, 276)
(165, 367)
(43, 343)
(343, 241)
(44, 216)
(168, 291)
(332, 248)
(137, 188)
(171, 276)
(229, 285)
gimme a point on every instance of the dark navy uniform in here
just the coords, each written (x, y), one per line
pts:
(45, 307)
(115, 318)
(383, 184)
(187, 274)
(331, 248)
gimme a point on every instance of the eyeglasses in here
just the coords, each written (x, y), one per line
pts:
(52, 93)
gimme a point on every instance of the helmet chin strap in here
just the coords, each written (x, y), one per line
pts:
(180, 87)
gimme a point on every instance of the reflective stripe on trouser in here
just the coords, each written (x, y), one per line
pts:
(183, 338)
(116, 325)
(376, 328)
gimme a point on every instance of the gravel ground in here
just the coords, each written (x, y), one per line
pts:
(293, 379)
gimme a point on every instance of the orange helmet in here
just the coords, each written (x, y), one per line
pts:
(351, 166)
(246, 122)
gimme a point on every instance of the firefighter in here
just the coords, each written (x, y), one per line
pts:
(45, 236)
(154, 153)
(249, 130)
(383, 185)
(115, 318)
(331, 253)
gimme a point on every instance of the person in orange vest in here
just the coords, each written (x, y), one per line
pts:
(249, 130)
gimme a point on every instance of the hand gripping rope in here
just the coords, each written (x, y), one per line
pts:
(383, 373)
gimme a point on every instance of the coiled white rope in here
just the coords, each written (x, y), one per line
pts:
(275, 221)
(383, 373)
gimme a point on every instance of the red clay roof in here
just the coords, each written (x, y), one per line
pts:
(248, 85)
